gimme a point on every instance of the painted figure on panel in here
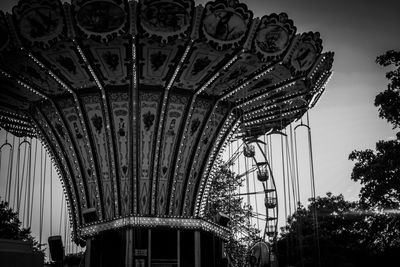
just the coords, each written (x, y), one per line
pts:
(101, 17)
(224, 25)
(167, 17)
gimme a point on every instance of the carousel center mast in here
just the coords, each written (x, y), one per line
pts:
(135, 101)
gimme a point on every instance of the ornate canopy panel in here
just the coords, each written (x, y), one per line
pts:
(134, 100)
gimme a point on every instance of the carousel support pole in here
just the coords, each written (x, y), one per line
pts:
(88, 253)
(129, 248)
(179, 248)
(149, 249)
(197, 249)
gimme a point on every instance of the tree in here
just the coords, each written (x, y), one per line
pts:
(10, 228)
(222, 200)
(347, 235)
(389, 100)
(379, 171)
(337, 237)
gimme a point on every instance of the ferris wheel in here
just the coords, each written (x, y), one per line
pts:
(270, 172)
(249, 159)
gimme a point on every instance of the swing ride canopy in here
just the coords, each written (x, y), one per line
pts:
(135, 100)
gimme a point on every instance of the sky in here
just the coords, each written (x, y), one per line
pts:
(345, 118)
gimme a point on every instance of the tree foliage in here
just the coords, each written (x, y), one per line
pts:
(10, 228)
(379, 171)
(388, 101)
(221, 200)
(347, 235)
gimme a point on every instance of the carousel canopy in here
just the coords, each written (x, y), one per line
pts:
(135, 100)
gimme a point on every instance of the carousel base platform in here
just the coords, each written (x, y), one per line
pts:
(158, 247)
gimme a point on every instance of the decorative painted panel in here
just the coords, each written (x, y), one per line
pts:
(40, 22)
(166, 19)
(225, 23)
(122, 132)
(172, 126)
(276, 76)
(201, 108)
(241, 70)
(149, 105)
(69, 111)
(100, 20)
(274, 36)
(65, 61)
(202, 62)
(193, 172)
(305, 53)
(96, 122)
(157, 61)
(111, 60)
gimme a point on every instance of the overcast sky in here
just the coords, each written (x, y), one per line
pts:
(345, 117)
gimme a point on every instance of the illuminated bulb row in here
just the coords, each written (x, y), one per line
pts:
(49, 72)
(16, 127)
(107, 121)
(89, 150)
(79, 178)
(163, 108)
(272, 112)
(322, 78)
(69, 180)
(171, 82)
(291, 97)
(247, 83)
(31, 89)
(58, 80)
(58, 171)
(317, 67)
(154, 222)
(14, 114)
(209, 82)
(198, 152)
(7, 75)
(14, 120)
(134, 106)
(205, 179)
(199, 149)
(270, 118)
(213, 170)
(266, 94)
(180, 154)
(275, 103)
(217, 75)
(318, 94)
(68, 144)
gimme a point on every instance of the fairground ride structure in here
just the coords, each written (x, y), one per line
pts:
(134, 101)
